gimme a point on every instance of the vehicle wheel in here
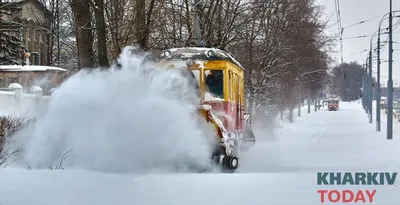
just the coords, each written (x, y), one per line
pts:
(230, 163)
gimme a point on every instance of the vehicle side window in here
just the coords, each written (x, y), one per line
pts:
(215, 83)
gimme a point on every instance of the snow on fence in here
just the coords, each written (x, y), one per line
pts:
(15, 100)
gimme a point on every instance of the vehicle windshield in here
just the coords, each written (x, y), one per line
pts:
(215, 82)
(333, 101)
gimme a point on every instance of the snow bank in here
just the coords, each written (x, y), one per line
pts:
(132, 120)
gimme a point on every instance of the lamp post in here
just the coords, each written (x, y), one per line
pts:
(364, 83)
(378, 83)
(370, 85)
(370, 88)
(367, 87)
(378, 66)
(390, 81)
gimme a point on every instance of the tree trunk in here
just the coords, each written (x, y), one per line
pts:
(143, 22)
(290, 117)
(101, 33)
(140, 23)
(84, 36)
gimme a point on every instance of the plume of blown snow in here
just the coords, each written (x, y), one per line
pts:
(138, 118)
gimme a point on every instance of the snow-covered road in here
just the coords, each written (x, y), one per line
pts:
(279, 172)
(323, 140)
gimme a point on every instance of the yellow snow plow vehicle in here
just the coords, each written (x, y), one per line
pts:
(220, 83)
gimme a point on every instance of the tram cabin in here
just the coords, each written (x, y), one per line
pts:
(219, 81)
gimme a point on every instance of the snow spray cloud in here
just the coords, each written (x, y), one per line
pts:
(134, 119)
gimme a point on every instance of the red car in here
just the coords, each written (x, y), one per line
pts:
(333, 105)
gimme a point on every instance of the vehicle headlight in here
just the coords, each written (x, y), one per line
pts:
(210, 53)
(167, 53)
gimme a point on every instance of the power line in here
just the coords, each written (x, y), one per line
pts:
(366, 36)
(361, 22)
(354, 37)
(340, 28)
(356, 53)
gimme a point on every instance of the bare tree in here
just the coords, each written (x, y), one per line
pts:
(98, 6)
(84, 35)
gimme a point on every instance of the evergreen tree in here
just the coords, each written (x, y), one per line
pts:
(11, 46)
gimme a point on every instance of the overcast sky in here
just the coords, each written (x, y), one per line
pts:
(354, 11)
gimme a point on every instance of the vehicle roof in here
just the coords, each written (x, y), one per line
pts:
(20, 68)
(199, 53)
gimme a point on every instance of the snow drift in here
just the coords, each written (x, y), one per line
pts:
(135, 119)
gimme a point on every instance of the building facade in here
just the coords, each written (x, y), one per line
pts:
(34, 30)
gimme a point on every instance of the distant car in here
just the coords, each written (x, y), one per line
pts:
(396, 110)
(395, 103)
(383, 103)
(333, 104)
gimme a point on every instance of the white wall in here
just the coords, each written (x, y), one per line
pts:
(17, 102)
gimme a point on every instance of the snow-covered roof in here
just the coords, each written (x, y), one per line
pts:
(200, 53)
(29, 68)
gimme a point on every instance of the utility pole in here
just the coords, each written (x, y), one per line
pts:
(370, 86)
(390, 81)
(378, 85)
(367, 88)
(363, 91)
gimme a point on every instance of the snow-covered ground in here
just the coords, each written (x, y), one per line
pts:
(273, 172)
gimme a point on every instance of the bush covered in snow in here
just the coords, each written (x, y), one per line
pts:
(9, 125)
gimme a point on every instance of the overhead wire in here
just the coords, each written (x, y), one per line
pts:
(339, 23)
(384, 43)
(337, 7)
(361, 22)
(356, 53)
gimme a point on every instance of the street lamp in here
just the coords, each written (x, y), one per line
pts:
(364, 89)
(390, 81)
(378, 90)
(389, 131)
(369, 82)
